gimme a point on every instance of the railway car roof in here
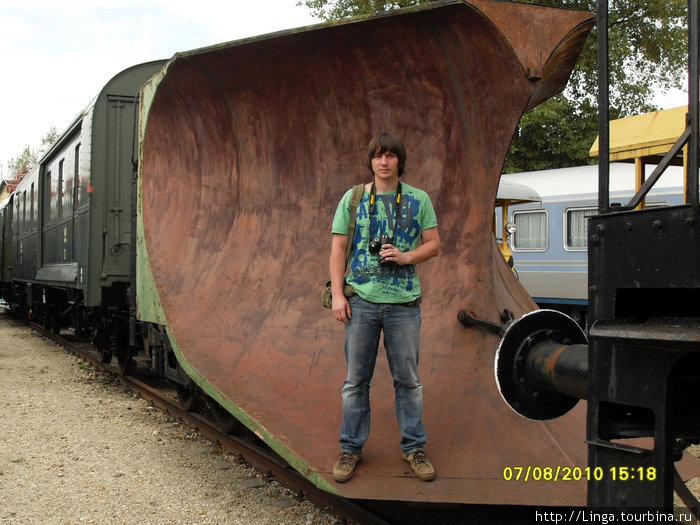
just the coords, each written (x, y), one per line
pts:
(582, 180)
(516, 193)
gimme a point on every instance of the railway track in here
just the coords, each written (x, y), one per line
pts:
(245, 448)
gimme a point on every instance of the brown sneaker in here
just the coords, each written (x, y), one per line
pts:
(344, 468)
(420, 465)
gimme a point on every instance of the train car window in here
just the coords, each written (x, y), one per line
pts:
(16, 221)
(84, 188)
(577, 227)
(67, 190)
(9, 218)
(47, 196)
(76, 178)
(59, 192)
(23, 225)
(32, 198)
(531, 232)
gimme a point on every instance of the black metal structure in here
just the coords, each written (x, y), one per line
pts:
(644, 351)
(641, 371)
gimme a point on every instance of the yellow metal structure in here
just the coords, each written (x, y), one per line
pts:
(645, 139)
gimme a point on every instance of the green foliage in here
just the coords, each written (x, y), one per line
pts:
(49, 139)
(556, 134)
(647, 54)
(30, 157)
(20, 164)
(339, 9)
(647, 51)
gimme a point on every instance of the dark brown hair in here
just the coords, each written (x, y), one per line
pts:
(387, 142)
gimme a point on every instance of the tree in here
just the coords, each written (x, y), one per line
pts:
(556, 134)
(648, 53)
(26, 160)
(30, 157)
(338, 9)
(48, 140)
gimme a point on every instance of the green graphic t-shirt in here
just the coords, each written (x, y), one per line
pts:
(372, 282)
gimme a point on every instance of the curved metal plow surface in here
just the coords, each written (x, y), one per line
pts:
(247, 149)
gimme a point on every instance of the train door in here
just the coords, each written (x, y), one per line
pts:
(117, 228)
(75, 200)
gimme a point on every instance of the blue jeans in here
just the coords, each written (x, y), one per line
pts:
(401, 325)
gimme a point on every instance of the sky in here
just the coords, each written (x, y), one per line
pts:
(56, 55)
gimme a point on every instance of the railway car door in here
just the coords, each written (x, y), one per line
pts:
(75, 201)
(3, 247)
(117, 228)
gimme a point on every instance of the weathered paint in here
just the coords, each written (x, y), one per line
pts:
(247, 149)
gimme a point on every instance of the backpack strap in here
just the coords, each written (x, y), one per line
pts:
(357, 192)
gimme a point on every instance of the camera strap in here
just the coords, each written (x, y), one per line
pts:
(355, 199)
(372, 206)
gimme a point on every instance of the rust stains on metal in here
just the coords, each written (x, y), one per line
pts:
(248, 148)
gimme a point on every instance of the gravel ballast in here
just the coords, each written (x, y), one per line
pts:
(77, 447)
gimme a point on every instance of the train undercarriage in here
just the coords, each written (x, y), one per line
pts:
(114, 331)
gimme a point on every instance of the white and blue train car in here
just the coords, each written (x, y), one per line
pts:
(551, 241)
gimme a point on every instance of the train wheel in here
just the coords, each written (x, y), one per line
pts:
(225, 420)
(101, 340)
(45, 319)
(126, 362)
(188, 397)
(105, 356)
(55, 326)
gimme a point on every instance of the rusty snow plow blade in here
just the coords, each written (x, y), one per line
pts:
(245, 150)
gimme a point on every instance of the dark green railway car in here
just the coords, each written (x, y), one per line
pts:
(5, 247)
(24, 227)
(75, 251)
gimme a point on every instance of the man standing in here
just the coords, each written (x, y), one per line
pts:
(396, 230)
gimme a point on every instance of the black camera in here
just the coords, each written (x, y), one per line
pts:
(375, 246)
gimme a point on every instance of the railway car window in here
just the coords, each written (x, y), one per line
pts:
(83, 178)
(23, 226)
(31, 206)
(531, 233)
(48, 191)
(9, 217)
(67, 190)
(577, 227)
(32, 198)
(59, 191)
(76, 178)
